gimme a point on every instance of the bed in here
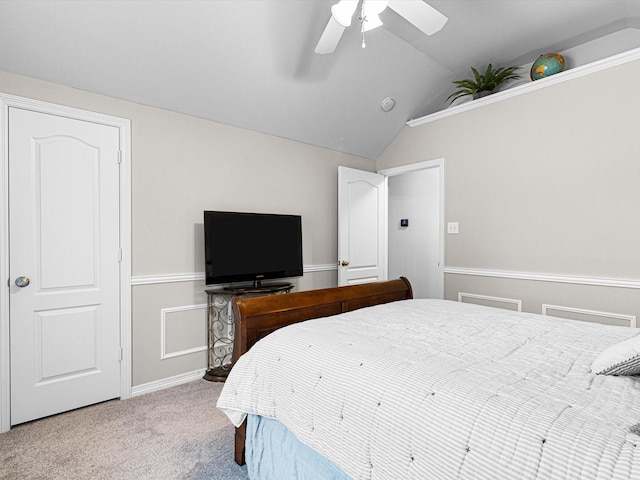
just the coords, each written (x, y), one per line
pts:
(367, 383)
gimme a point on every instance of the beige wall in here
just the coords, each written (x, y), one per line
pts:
(545, 183)
(181, 166)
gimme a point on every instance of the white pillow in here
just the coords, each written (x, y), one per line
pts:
(620, 359)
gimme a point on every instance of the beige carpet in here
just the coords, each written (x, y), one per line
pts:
(175, 433)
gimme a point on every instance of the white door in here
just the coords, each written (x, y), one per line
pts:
(63, 238)
(362, 232)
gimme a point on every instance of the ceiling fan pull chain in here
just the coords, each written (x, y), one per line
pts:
(362, 20)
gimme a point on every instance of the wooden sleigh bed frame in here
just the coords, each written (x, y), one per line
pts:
(256, 317)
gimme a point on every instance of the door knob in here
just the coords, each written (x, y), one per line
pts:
(344, 263)
(22, 281)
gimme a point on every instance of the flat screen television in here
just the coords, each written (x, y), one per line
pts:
(243, 247)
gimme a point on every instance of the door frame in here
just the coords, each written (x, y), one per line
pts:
(412, 167)
(124, 128)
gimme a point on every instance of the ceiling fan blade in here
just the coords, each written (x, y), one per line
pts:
(330, 37)
(343, 11)
(421, 14)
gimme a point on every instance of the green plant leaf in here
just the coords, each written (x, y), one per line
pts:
(488, 74)
(477, 75)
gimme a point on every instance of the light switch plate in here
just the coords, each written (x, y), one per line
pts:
(452, 227)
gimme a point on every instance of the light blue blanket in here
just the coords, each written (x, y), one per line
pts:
(274, 453)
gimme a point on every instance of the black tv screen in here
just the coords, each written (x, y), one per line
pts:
(242, 247)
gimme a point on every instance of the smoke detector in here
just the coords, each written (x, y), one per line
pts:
(387, 104)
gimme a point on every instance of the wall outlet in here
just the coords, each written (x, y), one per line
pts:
(452, 227)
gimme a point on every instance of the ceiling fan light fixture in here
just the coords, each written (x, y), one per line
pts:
(371, 9)
(370, 22)
(417, 12)
(343, 11)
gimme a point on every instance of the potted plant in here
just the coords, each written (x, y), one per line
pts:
(483, 84)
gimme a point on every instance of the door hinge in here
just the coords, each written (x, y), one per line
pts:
(120, 354)
(119, 156)
(119, 255)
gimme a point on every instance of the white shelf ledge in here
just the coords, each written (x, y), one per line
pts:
(576, 72)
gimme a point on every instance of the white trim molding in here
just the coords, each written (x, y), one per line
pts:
(574, 73)
(167, 278)
(163, 331)
(328, 267)
(167, 382)
(200, 277)
(412, 167)
(508, 301)
(545, 277)
(631, 320)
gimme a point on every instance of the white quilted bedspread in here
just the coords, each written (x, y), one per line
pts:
(433, 389)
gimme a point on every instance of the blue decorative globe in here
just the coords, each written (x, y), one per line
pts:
(546, 65)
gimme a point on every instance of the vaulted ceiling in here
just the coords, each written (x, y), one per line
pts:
(251, 63)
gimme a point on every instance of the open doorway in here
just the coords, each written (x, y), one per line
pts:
(416, 226)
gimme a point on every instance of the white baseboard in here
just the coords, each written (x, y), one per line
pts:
(167, 382)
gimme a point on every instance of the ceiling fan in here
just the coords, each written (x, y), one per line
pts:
(420, 14)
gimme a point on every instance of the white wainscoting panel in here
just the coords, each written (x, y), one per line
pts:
(164, 314)
(589, 315)
(486, 300)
